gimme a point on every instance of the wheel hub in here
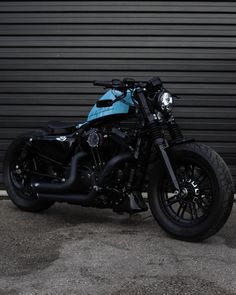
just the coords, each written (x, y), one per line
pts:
(193, 200)
(189, 190)
(18, 170)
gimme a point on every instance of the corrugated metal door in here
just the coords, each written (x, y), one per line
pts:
(50, 51)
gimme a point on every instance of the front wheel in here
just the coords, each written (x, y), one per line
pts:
(207, 193)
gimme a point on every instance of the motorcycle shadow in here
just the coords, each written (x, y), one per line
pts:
(73, 215)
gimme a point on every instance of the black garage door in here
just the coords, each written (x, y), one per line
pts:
(50, 51)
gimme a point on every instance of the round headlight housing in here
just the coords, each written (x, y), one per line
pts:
(165, 101)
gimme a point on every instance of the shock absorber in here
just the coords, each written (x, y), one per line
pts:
(155, 130)
(174, 131)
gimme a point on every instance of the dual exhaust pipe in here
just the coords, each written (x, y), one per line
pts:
(60, 191)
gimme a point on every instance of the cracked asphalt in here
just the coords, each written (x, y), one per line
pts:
(73, 250)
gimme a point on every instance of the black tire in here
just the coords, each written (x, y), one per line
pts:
(220, 193)
(17, 196)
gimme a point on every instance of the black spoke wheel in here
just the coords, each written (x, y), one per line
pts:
(21, 174)
(18, 174)
(206, 197)
(196, 198)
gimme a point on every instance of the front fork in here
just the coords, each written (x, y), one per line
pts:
(159, 142)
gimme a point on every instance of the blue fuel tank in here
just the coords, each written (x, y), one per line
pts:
(118, 108)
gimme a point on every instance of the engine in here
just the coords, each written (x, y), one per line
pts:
(99, 167)
(103, 144)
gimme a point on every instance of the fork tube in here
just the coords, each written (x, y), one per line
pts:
(157, 138)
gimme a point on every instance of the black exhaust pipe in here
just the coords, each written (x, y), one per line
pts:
(59, 191)
(70, 198)
(112, 164)
(61, 188)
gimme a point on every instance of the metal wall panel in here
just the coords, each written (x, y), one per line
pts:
(51, 51)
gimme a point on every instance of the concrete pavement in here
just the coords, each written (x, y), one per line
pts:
(73, 250)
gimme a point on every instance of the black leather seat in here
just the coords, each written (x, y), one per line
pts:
(60, 128)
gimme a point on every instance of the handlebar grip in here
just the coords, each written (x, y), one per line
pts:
(107, 84)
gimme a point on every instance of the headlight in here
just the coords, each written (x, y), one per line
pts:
(165, 101)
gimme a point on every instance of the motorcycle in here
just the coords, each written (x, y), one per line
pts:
(129, 144)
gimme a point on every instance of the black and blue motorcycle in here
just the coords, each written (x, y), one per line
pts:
(129, 144)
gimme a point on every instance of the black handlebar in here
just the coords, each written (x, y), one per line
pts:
(116, 84)
(127, 83)
(106, 84)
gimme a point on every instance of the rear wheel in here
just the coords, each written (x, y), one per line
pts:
(207, 193)
(18, 174)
